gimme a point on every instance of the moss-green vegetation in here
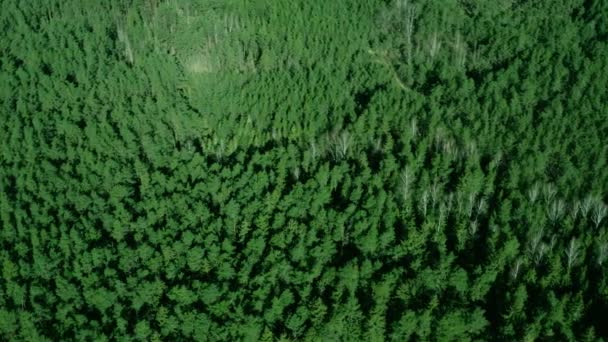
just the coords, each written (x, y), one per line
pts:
(356, 170)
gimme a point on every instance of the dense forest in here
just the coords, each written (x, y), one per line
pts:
(351, 170)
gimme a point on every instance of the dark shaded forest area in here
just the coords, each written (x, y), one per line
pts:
(353, 170)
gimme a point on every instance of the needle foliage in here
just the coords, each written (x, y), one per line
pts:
(353, 170)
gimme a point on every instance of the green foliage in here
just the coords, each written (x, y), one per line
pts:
(325, 170)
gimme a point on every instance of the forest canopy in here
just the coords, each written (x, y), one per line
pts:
(355, 170)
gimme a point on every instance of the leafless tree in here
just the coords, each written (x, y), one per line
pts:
(535, 242)
(434, 45)
(481, 206)
(602, 253)
(586, 205)
(424, 203)
(407, 14)
(516, 268)
(442, 214)
(296, 173)
(449, 202)
(124, 39)
(414, 127)
(572, 253)
(405, 183)
(599, 213)
(473, 227)
(342, 142)
(556, 210)
(542, 249)
(549, 192)
(574, 210)
(313, 149)
(533, 193)
(461, 51)
(434, 193)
